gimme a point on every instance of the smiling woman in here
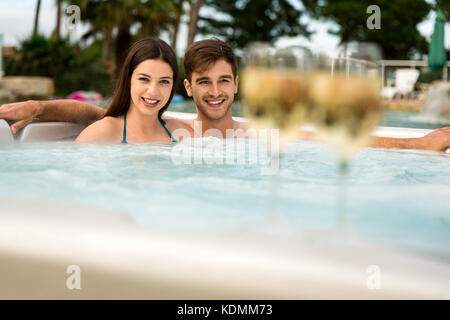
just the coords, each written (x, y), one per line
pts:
(143, 92)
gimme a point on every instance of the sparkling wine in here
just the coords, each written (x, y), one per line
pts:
(275, 99)
(345, 110)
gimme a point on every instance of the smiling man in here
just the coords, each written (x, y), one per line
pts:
(211, 79)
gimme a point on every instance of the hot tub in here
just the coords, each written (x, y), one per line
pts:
(140, 224)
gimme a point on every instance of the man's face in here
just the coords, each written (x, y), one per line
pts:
(213, 90)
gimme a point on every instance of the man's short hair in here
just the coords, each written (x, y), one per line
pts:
(200, 55)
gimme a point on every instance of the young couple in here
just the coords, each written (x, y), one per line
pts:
(145, 89)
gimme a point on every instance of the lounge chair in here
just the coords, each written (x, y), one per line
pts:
(405, 80)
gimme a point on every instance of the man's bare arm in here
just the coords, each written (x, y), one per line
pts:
(22, 113)
(437, 140)
(399, 143)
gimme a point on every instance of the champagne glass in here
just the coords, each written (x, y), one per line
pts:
(346, 106)
(274, 89)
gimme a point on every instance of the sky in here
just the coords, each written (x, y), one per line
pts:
(17, 17)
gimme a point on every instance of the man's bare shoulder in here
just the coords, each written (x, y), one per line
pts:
(240, 125)
(177, 123)
(108, 130)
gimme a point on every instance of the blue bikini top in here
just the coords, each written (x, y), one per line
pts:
(163, 123)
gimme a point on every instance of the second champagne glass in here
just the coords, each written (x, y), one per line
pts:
(346, 106)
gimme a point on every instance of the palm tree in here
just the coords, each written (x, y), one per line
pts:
(57, 31)
(105, 16)
(193, 19)
(176, 22)
(36, 18)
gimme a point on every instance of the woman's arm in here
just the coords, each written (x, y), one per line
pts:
(22, 113)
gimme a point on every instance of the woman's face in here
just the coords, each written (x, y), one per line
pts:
(151, 85)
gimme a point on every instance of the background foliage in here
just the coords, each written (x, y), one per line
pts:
(92, 62)
(242, 22)
(71, 68)
(398, 37)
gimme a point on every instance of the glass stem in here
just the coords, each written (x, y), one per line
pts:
(274, 185)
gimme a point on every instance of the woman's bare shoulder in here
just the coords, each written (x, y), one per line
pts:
(108, 130)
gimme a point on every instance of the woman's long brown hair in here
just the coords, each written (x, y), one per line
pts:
(144, 49)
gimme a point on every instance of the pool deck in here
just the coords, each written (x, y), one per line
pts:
(120, 260)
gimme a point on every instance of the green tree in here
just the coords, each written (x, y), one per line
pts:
(253, 20)
(398, 36)
(149, 16)
(71, 68)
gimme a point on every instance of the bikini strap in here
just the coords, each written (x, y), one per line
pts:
(163, 123)
(124, 139)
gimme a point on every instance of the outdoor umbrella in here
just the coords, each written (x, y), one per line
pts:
(437, 56)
